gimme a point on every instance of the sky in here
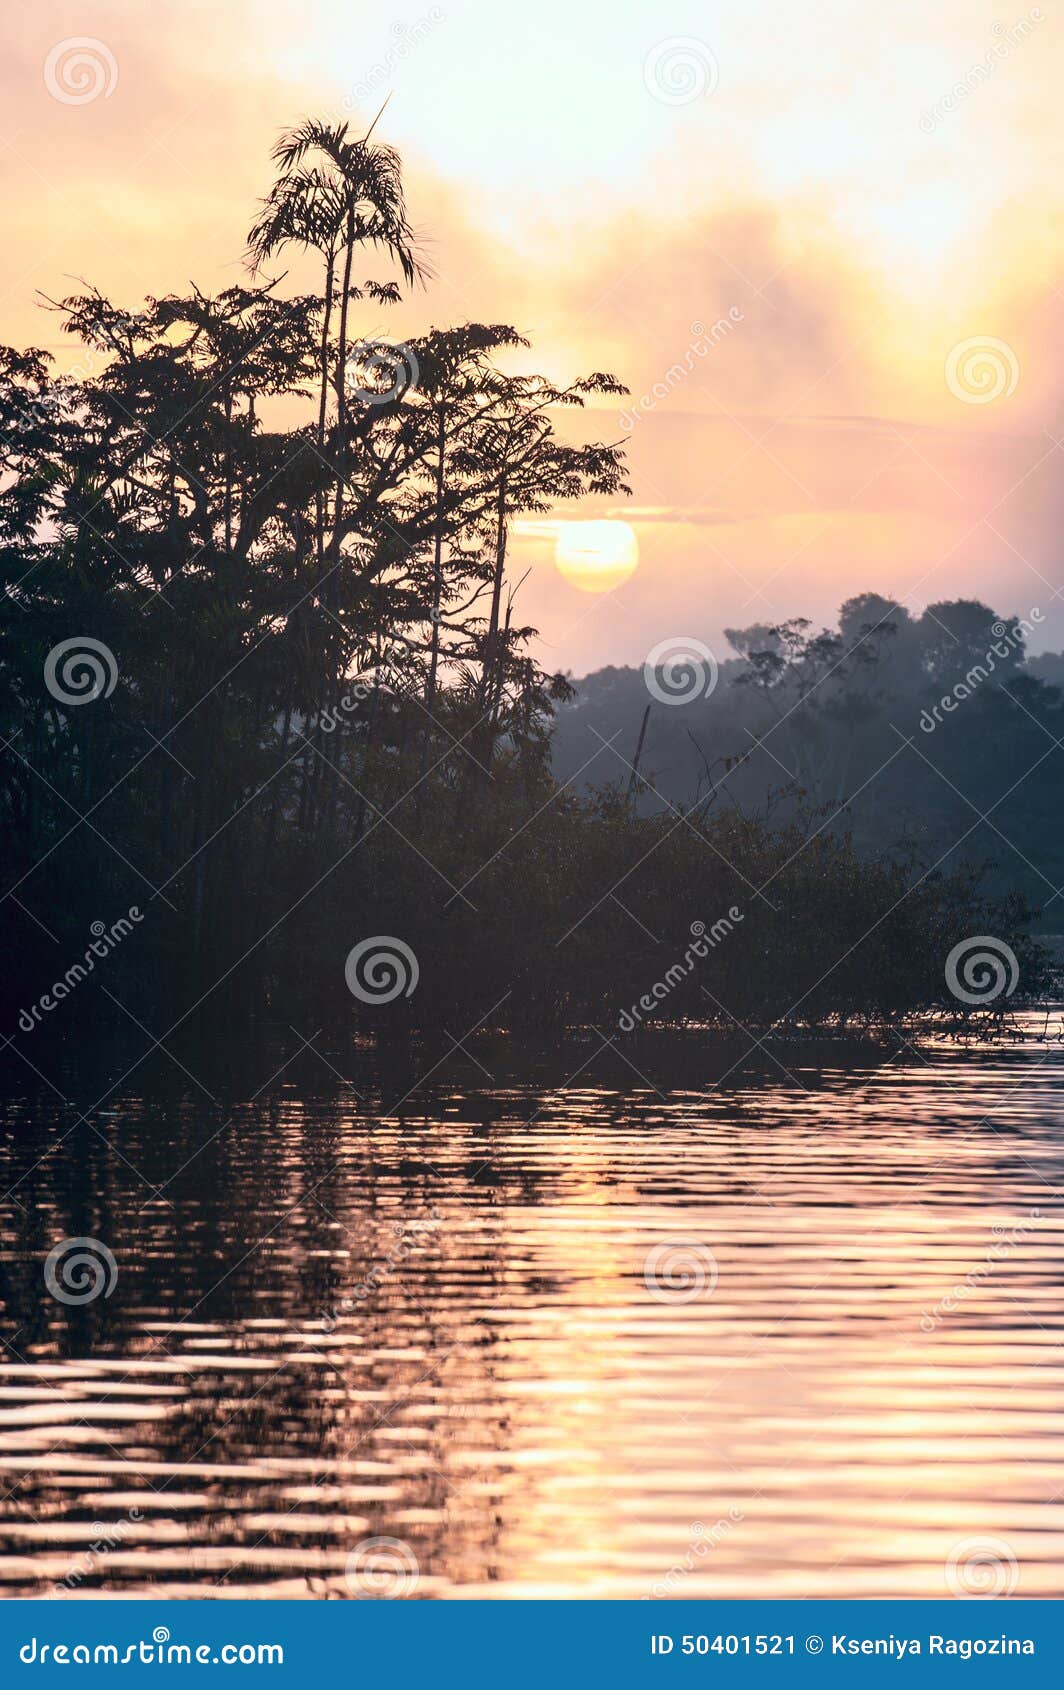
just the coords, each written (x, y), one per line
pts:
(823, 246)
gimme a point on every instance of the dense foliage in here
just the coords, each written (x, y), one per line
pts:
(936, 738)
(263, 683)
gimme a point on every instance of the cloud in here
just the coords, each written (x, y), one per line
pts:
(812, 450)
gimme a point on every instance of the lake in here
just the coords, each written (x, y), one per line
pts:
(544, 1327)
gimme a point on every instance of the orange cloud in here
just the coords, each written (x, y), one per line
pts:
(823, 196)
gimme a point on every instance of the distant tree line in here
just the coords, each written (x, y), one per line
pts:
(932, 740)
(265, 693)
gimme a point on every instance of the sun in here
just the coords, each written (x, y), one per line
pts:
(595, 556)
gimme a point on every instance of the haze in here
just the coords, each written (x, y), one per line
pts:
(778, 236)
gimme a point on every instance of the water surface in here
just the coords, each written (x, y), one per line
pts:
(579, 1334)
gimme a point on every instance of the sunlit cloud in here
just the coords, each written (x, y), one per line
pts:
(777, 236)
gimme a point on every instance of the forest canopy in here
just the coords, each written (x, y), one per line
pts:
(266, 694)
(934, 739)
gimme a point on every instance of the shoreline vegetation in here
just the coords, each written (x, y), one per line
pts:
(266, 680)
(392, 1075)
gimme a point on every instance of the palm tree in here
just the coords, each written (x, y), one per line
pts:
(333, 194)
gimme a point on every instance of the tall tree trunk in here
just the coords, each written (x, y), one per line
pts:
(323, 401)
(437, 589)
(482, 734)
(341, 391)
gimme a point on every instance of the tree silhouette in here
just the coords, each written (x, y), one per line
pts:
(313, 710)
